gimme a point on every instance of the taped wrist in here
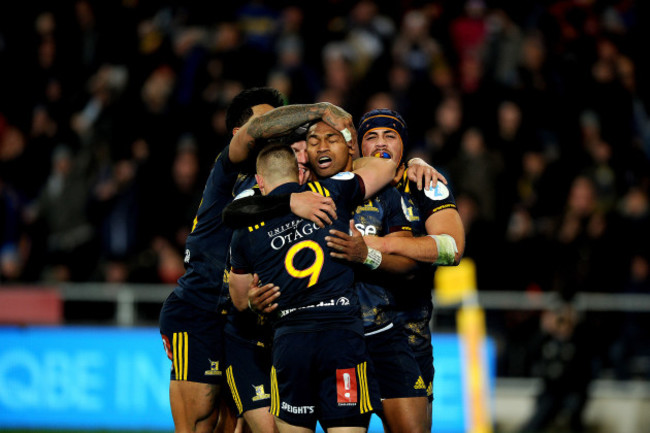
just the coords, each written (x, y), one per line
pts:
(373, 259)
(447, 249)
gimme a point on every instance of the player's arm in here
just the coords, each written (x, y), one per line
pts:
(282, 120)
(354, 249)
(376, 173)
(238, 286)
(251, 210)
(444, 245)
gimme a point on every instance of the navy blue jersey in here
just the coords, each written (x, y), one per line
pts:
(207, 245)
(379, 216)
(317, 290)
(414, 306)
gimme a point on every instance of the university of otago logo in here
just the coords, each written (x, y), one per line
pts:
(214, 369)
(260, 394)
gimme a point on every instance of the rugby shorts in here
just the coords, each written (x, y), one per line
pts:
(248, 374)
(193, 340)
(428, 370)
(398, 372)
(323, 375)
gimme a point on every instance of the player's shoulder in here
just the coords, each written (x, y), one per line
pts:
(342, 176)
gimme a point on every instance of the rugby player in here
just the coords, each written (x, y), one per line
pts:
(318, 305)
(192, 317)
(439, 234)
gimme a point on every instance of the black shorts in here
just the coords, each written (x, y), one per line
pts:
(425, 361)
(323, 375)
(398, 372)
(193, 340)
(248, 373)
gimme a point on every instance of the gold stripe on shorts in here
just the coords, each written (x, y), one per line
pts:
(275, 393)
(233, 390)
(180, 350)
(364, 398)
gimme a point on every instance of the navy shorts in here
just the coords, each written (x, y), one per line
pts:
(425, 361)
(248, 373)
(323, 375)
(398, 372)
(193, 340)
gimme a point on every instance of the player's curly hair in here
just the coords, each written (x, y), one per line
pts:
(241, 107)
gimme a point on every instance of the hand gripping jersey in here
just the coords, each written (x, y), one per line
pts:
(317, 290)
(379, 216)
(414, 306)
(207, 245)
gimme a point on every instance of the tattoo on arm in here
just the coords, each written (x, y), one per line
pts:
(283, 119)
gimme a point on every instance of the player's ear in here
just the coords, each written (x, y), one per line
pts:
(260, 182)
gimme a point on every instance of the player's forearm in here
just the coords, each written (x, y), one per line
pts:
(397, 264)
(282, 120)
(421, 249)
(375, 172)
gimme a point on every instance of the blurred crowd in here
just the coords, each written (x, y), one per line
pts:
(111, 114)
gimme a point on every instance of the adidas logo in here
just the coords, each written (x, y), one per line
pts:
(419, 384)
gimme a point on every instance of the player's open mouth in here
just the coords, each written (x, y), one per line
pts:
(324, 161)
(382, 154)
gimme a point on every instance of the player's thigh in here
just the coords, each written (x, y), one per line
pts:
(194, 405)
(406, 415)
(260, 420)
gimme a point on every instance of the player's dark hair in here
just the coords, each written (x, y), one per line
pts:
(241, 107)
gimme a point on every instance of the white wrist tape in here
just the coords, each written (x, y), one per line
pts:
(447, 249)
(346, 134)
(373, 259)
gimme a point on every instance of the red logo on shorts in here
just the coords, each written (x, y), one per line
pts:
(346, 386)
(167, 346)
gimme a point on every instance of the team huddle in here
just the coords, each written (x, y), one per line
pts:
(307, 291)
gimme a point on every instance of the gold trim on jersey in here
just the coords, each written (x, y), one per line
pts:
(256, 226)
(180, 350)
(275, 393)
(444, 206)
(364, 392)
(233, 389)
(318, 189)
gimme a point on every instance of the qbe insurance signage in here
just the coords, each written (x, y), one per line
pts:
(117, 378)
(70, 377)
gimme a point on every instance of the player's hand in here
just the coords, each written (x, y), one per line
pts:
(347, 247)
(261, 299)
(313, 207)
(423, 174)
(376, 242)
(341, 120)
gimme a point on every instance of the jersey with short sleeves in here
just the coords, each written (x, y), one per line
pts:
(414, 307)
(207, 244)
(381, 215)
(317, 290)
